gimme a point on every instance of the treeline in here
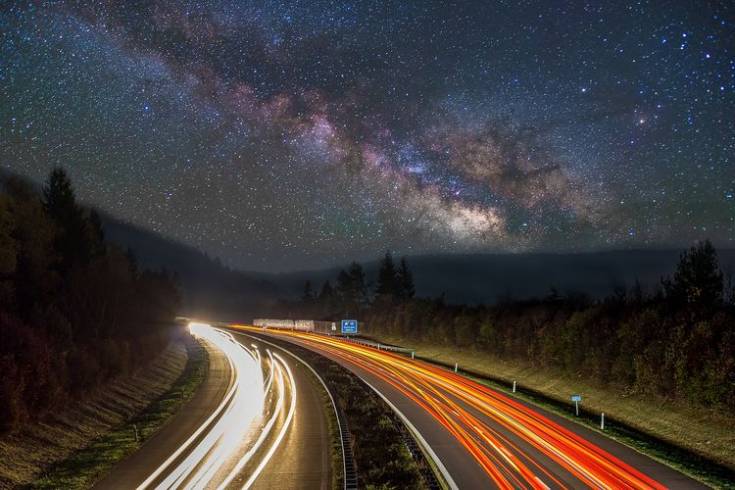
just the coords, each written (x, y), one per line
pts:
(676, 342)
(74, 310)
(352, 295)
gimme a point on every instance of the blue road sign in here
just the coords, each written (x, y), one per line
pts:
(576, 398)
(349, 326)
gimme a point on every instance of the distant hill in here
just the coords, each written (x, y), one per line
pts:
(208, 287)
(486, 278)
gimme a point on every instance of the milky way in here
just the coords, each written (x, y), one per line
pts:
(283, 135)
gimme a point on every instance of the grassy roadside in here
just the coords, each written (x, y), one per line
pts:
(696, 442)
(82, 468)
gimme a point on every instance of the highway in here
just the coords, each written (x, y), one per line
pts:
(482, 438)
(255, 408)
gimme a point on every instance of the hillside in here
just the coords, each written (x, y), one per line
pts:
(208, 287)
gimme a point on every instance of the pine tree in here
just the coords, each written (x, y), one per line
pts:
(73, 242)
(698, 279)
(326, 299)
(388, 285)
(407, 290)
(327, 293)
(308, 296)
(358, 284)
(351, 288)
(97, 234)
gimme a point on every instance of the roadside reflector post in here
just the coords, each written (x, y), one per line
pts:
(576, 408)
(455, 367)
(602, 421)
(514, 386)
(413, 354)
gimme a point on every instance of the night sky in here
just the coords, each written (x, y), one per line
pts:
(291, 135)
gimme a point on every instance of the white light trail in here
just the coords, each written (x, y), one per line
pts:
(212, 455)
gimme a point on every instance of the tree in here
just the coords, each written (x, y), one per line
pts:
(698, 279)
(327, 293)
(8, 251)
(326, 299)
(308, 296)
(34, 282)
(96, 234)
(73, 241)
(388, 285)
(359, 286)
(351, 288)
(405, 281)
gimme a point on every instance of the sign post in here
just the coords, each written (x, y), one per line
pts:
(349, 327)
(576, 399)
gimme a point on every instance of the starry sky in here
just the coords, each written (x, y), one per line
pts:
(300, 134)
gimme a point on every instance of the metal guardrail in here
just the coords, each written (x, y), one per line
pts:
(350, 470)
(429, 476)
(378, 345)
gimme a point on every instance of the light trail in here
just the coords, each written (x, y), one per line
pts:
(241, 426)
(516, 446)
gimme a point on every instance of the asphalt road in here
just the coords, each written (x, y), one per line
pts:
(257, 421)
(134, 469)
(302, 460)
(485, 439)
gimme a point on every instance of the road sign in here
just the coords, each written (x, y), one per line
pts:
(349, 326)
(576, 399)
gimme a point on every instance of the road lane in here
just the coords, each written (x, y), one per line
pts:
(235, 429)
(303, 460)
(487, 439)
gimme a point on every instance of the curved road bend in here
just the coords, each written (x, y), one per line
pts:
(254, 407)
(486, 439)
(302, 460)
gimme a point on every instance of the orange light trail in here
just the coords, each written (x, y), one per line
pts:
(464, 407)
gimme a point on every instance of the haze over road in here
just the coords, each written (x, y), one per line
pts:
(254, 410)
(485, 439)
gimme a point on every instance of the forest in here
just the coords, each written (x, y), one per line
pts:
(75, 311)
(676, 342)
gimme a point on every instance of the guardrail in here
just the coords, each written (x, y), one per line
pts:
(378, 345)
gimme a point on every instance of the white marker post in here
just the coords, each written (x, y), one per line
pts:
(456, 365)
(514, 386)
(602, 421)
(413, 354)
